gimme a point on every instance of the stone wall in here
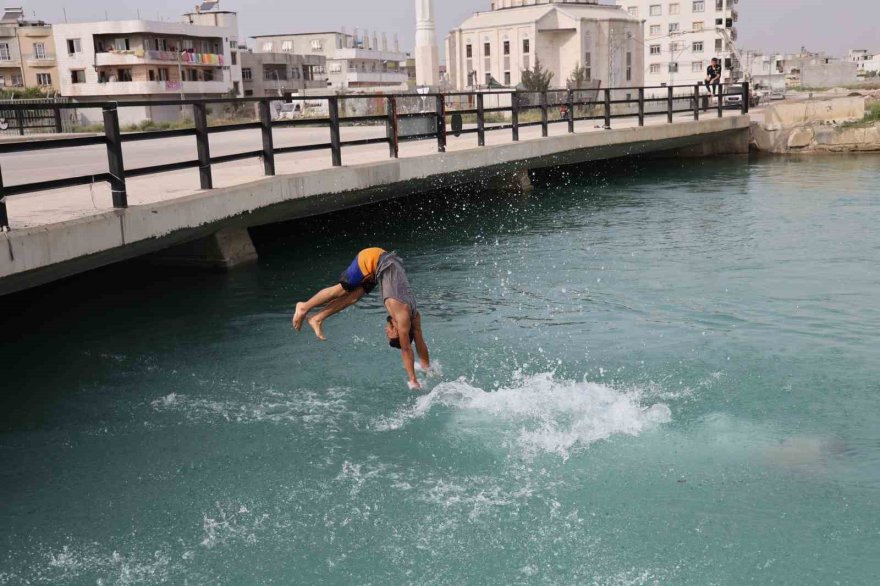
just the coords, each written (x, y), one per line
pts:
(816, 126)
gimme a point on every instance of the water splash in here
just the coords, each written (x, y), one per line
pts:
(539, 414)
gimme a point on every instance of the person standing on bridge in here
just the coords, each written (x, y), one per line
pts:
(403, 326)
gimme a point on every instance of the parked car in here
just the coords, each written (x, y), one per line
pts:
(289, 111)
(733, 96)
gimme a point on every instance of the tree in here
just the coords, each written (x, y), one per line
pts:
(578, 77)
(537, 79)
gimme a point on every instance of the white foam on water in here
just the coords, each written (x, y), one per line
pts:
(539, 414)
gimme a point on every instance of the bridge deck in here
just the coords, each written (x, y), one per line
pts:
(66, 231)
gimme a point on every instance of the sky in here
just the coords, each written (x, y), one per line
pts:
(833, 26)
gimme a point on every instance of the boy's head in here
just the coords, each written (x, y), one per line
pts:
(392, 334)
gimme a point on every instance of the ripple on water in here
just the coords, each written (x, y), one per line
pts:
(539, 414)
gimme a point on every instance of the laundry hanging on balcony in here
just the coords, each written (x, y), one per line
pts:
(194, 58)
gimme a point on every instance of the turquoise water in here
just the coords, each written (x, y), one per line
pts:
(649, 373)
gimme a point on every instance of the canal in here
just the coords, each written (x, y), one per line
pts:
(648, 372)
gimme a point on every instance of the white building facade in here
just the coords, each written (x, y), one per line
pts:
(356, 63)
(138, 60)
(868, 62)
(682, 37)
(498, 45)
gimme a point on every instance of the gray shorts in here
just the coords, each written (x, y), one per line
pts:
(393, 280)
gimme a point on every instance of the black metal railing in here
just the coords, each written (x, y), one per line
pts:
(574, 105)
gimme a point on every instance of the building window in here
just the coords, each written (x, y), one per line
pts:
(656, 10)
(287, 46)
(469, 51)
(718, 45)
(697, 47)
(233, 58)
(4, 52)
(487, 49)
(507, 78)
(654, 68)
(78, 76)
(507, 47)
(655, 30)
(588, 67)
(267, 47)
(673, 27)
(673, 67)
(246, 74)
(633, 11)
(317, 45)
(488, 79)
(44, 79)
(719, 5)
(674, 47)
(39, 50)
(163, 74)
(674, 8)
(629, 66)
(526, 47)
(336, 68)
(121, 44)
(17, 81)
(655, 49)
(699, 6)
(697, 67)
(698, 25)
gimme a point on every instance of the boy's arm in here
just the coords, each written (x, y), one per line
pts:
(421, 346)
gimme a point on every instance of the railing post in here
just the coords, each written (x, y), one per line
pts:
(335, 140)
(481, 121)
(59, 126)
(720, 100)
(544, 123)
(19, 119)
(641, 106)
(514, 115)
(607, 108)
(669, 107)
(115, 164)
(200, 115)
(696, 101)
(747, 97)
(4, 217)
(571, 111)
(441, 124)
(391, 127)
(268, 140)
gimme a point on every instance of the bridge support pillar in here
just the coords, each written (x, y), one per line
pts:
(228, 249)
(515, 182)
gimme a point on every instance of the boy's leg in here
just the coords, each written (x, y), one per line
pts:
(349, 298)
(320, 298)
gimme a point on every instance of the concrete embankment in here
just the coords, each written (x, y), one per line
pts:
(834, 125)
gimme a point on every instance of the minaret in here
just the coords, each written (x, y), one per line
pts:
(427, 55)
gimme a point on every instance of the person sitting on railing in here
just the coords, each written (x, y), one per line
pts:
(713, 77)
(403, 325)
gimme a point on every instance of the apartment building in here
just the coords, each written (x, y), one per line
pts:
(139, 60)
(682, 37)
(867, 61)
(273, 74)
(496, 46)
(358, 63)
(27, 53)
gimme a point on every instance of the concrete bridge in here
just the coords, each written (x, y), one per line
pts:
(201, 218)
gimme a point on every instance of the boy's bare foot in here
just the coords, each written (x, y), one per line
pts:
(318, 326)
(299, 315)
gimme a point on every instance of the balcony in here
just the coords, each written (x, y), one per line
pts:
(11, 62)
(377, 77)
(44, 60)
(369, 54)
(140, 57)
(146, 88)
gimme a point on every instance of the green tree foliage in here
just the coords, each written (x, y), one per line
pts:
(537, 79)
(578, 78)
